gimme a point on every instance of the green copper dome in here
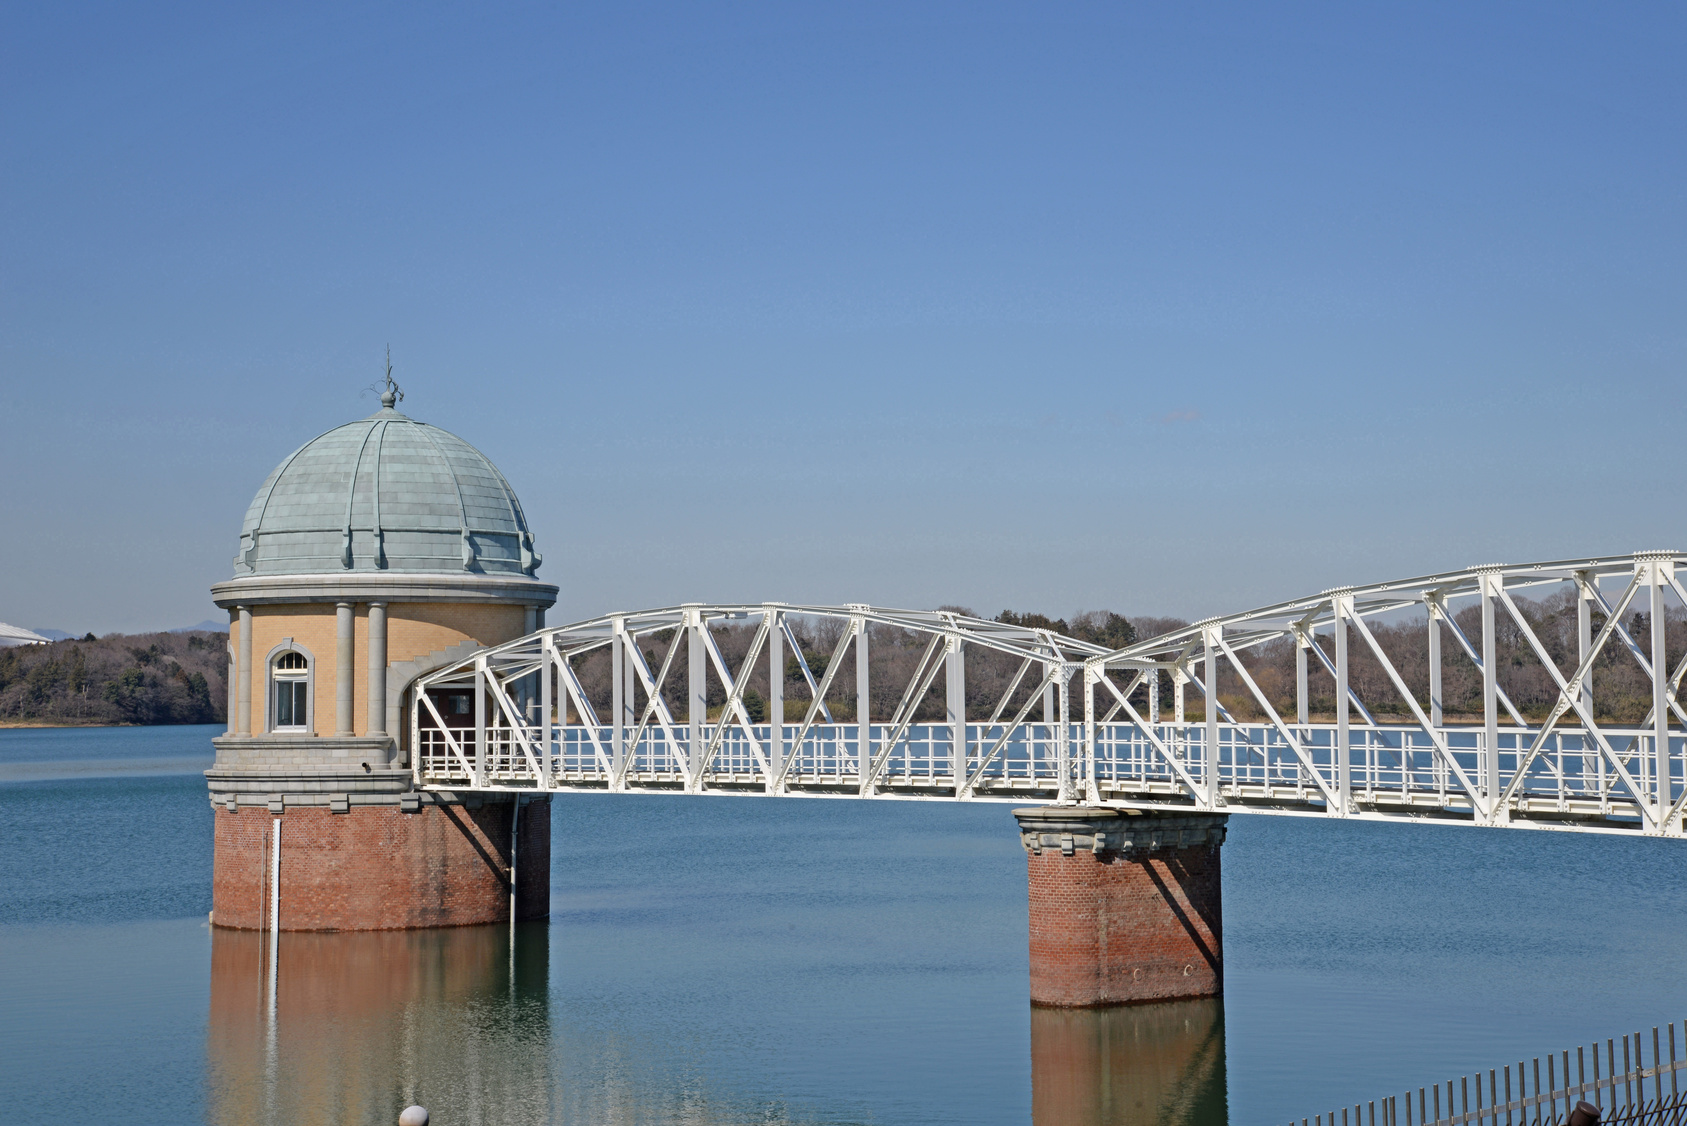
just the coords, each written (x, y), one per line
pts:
(385, 493)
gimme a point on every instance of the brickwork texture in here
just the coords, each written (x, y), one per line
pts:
(1118, 926)
(376, 868)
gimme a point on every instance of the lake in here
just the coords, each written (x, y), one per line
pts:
(752, 960)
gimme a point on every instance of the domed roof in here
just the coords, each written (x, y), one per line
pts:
(385, 493)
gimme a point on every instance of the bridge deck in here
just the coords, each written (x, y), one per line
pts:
(1394, 772)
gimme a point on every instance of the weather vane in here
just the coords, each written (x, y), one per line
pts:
(391, 394)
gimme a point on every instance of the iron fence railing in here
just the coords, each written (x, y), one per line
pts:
(1621, 1089)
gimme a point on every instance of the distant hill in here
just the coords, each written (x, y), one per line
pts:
(209, 625)
(143, 678)
(53, 634)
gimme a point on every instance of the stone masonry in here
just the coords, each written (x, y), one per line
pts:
(1124, 904)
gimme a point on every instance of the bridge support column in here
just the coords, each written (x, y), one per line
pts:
(1124, 904)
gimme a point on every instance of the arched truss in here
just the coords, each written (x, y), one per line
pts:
(1567, 768)
(525, 692)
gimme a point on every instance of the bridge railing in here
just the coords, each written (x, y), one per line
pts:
(1395, 770)
(829, 758)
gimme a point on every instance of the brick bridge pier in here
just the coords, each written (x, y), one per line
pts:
(1125, 905)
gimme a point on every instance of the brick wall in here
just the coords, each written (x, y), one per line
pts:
(376, 868)
(1108, 928)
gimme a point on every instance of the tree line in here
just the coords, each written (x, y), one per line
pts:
(150, 678)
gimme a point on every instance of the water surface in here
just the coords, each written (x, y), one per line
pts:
(737, 960)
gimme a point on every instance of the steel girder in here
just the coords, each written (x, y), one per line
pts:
(1566, 770)
(525, 690)
(536, 725)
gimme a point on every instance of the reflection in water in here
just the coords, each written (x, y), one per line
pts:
(367, 1023)
(1129, 1065)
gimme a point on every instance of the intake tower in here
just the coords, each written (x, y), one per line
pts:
(374, 553)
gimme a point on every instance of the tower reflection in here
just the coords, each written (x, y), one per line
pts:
(365, 1023)
(1130, 1065)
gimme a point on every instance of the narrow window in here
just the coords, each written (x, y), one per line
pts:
(292, 711)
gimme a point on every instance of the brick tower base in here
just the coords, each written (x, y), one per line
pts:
(383, 867)
(1124, 904)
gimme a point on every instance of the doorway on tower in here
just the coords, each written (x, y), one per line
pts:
(455, 707)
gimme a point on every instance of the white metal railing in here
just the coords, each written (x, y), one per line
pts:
(1392, 770)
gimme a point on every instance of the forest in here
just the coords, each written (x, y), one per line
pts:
(149, 678)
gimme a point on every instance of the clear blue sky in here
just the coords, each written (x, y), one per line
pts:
(1168, 310)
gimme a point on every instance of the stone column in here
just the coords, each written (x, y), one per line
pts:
(377, 702)
(233, 693)
(344, 655)
(1125, 904)
(243, 673)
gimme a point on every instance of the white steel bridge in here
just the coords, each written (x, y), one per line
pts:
(623, 702)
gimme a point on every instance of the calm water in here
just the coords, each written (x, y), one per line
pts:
(735, 960)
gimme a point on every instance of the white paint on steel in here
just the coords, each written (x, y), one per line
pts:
(1567, 771)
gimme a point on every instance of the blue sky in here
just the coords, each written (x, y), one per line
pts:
(1168, 310)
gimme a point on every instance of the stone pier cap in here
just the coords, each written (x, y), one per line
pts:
(1097, 829)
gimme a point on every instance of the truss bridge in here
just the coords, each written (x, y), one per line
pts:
(1565, 715)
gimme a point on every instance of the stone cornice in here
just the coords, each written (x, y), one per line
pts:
(382, 586)
(1094, 829)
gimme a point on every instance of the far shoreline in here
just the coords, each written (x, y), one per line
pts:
(42, 724)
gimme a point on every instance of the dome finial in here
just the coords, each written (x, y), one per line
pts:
(392, 395)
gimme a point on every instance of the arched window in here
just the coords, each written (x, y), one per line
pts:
(290, 691)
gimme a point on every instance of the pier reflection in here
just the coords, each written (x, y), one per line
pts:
(363, 1024)
(1130, 1065)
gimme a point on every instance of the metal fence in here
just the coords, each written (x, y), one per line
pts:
(1614, 1078)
